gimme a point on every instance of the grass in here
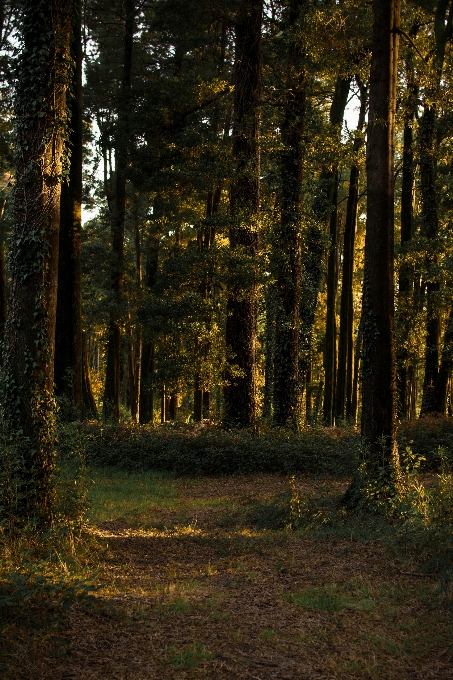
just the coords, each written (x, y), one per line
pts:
(203, 578)
(118, 495)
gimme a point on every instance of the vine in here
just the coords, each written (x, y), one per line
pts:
(42, 80)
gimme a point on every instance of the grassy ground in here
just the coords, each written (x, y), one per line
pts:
(201, 579)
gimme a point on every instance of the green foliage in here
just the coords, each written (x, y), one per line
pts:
(331, 598)
(43, 573)
(425, 436)
(189, 658)
(192, 450)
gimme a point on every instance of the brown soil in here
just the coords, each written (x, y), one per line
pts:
(213, 597)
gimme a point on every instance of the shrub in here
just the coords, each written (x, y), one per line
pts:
(195, 450)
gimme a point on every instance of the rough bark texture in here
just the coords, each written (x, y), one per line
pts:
(240, 392)
(111, 407)
(69, 377)
(286, 247)
(343, 397)
(29, 409)
(378, 375)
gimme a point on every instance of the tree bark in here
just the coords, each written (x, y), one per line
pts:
(405, 278)
(146, 402)
(343, 398)
(330, 349)
(430, 220)
(241, 324)
(111, 407)
(441, 387)
(70, 379)
(378, 373)
(286, 257)
(41, 112)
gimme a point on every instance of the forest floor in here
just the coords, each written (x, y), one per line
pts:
(196, 586)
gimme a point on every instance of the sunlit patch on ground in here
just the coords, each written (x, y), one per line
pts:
(196, 585)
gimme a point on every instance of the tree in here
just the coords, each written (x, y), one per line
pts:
(287, 247)
(112, 377)
(71, 376)
(378, 381)
(44, 73)
(240, 392)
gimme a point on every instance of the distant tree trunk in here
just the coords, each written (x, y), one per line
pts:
(430, 224)
(241, 323)
(286, 256)
(111, 407)
(146, 404)
(337, 109)
(89, 404)
(343, 399)
(197, 400)
(441, 387)
(41, 117)
(430, 220)
(312, 271)
(405, 283)
(173, 407)
(269, 345)
(70, 378)
(378, 372)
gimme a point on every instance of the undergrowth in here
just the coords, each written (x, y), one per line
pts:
(42, 573)
(196, 450)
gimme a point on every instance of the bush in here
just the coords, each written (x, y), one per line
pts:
(425, 436)
(201, 450)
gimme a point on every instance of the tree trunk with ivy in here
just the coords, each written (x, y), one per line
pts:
(378, 373)
(241, 324)
(44, 71)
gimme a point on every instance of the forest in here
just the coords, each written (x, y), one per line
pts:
(226, 322)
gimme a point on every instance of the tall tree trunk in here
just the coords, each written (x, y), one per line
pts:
(111, 407)
(378, 373)
(286, 242)
(330, 349)
(343, 398)
(146, 402)
(430, 227)
(241, 324)
(430, 220)
(69, 377)
(405, 279)
(28, 404)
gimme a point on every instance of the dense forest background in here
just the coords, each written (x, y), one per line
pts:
(219, 270)
(226, 338)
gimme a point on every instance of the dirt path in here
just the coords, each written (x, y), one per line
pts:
(212, 597)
